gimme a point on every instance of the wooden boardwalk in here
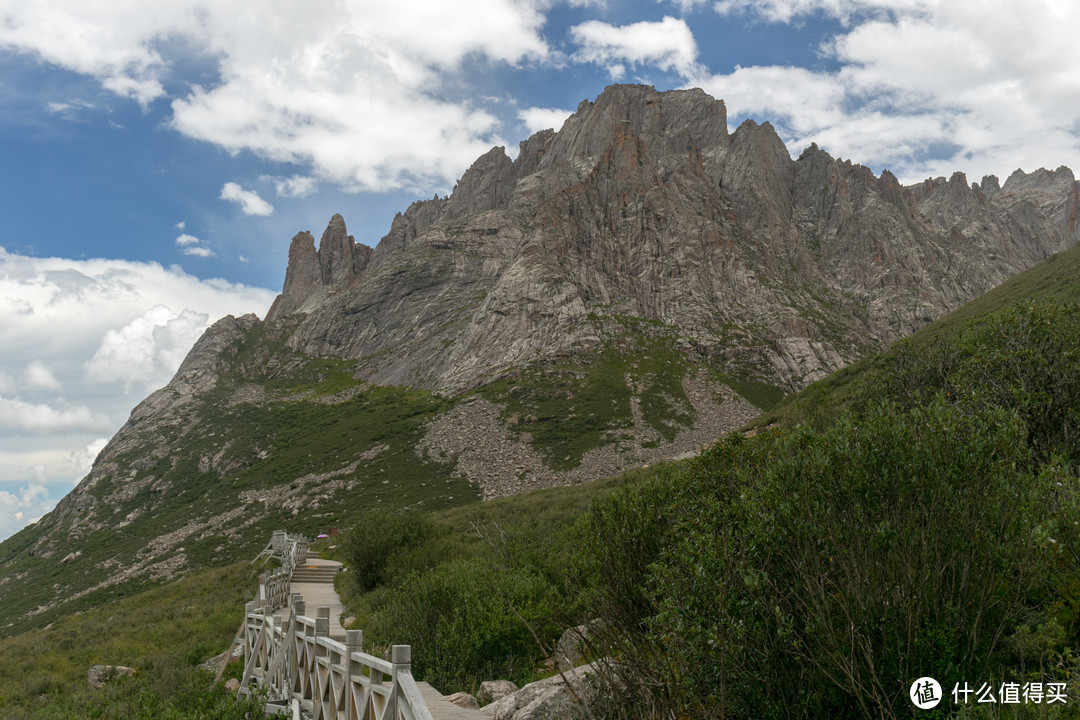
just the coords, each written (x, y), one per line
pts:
(318, 595)
(313, 581)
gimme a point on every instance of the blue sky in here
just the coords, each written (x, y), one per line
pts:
(158, 157)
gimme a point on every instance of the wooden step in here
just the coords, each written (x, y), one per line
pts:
(320, 574)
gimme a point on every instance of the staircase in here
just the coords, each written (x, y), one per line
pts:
(308, 571)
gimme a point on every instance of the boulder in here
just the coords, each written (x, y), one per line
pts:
(572, 647)
(495, 690)
(555, 698)
(464, 700)
(98, 675)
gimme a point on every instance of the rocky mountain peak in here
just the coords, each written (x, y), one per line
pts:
(668, 123)
(640, 276)
(642, 204)
(313, 274)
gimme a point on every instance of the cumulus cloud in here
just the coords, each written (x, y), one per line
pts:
(191, 245)
(537, 118)
(38, 376)
(923, 88)
(97, 336)
(351, 89)
(668, 45)
(25, 505)
(248, 200)
(295, 186)
(19, 416)
(82, 460)
(146, 351)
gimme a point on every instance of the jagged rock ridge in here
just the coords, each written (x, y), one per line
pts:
(644, 205)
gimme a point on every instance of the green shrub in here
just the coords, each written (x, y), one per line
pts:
(467, 621)
(816, 573)
(368, 546)
(1025, 359)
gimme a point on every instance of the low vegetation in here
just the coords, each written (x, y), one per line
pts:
(164, 634)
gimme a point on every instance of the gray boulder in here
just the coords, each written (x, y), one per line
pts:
(98, 675)
(495, 690)
(555, 698)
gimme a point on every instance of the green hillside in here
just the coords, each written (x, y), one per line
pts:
(912, 516)
(162, 633)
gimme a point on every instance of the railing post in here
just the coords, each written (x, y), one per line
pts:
(248, 609)
(400, 659)
(311, 646)
(322, 627)
(354, 643)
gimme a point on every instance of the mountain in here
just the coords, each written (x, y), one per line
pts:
(621, 292)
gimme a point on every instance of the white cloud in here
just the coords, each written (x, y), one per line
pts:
(686, 6)
(181, 225)
(38, 376)
(295, 186)
(20, 416)
(73, 111)
(668, 45)
(248, 200)
(105, 40)
(98, 335)
(24, 506)
(352, 88)
(924, 88)
(146, 351)
(537, 118)
(784, 11)
(83, 459)
(191, 245)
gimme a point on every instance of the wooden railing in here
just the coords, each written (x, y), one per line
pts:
(274, 586)
(300, 665)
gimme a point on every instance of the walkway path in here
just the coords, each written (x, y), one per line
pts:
(314, 580)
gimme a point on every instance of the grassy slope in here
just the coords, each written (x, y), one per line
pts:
(313, 418)
(163, 633)
(541, 530)
(282, 444)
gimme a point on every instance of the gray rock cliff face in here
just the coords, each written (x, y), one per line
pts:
(643, 204)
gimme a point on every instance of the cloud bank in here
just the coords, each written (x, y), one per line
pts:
(369, 96)
(84, 341)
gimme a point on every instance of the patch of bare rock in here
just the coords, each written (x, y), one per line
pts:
(502, 462)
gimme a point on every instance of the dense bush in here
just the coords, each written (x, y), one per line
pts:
(1025, 359)
(816, 573)
(370, 545)
(468, 621)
